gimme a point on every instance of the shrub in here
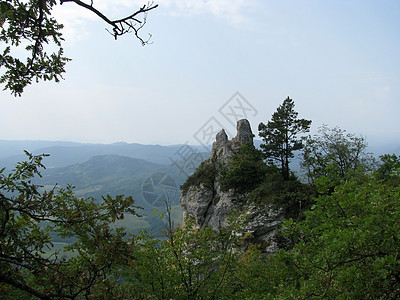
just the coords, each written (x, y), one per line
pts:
(246, 171)
(204, 175)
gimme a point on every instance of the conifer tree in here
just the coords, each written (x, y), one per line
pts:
(280, 136)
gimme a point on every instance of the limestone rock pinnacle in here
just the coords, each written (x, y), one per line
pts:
(205, 200)
(243, 136)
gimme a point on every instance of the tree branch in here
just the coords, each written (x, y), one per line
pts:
(124, 25)
(24, 287)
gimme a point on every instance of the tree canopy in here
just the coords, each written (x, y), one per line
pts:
(29, 221)
(247, 170)
(333, 155)
(30, 25)
(347, 247)
(280, 135)
(338, 245)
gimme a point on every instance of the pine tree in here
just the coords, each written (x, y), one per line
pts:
(280, 136)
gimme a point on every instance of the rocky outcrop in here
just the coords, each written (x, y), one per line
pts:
(203, 198)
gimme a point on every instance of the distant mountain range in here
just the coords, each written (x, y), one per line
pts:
(120, 168)
(151, 174)
(116, 175)
(63, 154)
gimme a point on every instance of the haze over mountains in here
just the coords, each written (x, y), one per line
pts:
(99, 169)
(67, 153)
(151, 174)
(64, 154)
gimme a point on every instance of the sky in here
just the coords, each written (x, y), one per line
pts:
(212, 62)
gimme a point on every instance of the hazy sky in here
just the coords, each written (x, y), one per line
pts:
(338, 60)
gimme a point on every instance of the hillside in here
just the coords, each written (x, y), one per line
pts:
(150, 185)
(63, 154)
(111, 174)
(145, 172)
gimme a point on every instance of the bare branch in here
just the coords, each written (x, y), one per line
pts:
(132, 23)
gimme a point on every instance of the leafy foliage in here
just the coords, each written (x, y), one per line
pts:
(29, 24)
(291, 195)
(347, 246)
(333, 155)
(340, 245)
(27, 219)
(389, 170)
(280, 135)
(246, 170)
(191, 263)
(204, 175)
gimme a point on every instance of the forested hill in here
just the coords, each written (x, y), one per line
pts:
(63, 154)
(146, 172)
(115, 175)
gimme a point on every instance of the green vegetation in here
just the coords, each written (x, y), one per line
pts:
(29, 25)
(389, 170)
(189, 264)
(340, 239)
(204, 175)
(291, 195)
(333, 155)
(347, 247)
(117, 175)
(25, 263)
(247, 170)
(280, 136)
(109, 174)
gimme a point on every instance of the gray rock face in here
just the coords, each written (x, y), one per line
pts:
(223, 149)
(244, 135)
(210, 206)
(196, 203)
